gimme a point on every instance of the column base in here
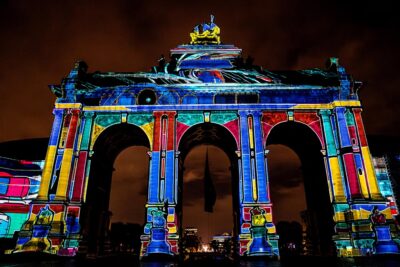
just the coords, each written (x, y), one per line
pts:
(259, 246)
(387, 247)
(384, 243)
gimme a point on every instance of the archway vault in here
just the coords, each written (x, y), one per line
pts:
(211, 134)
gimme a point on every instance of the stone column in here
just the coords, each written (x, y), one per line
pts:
(67, 160)
(336, 181)
(371, 180)
(82, 167)
(346, 149)
(50, 155)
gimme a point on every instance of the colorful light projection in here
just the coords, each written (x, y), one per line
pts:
(206, 85)
(205, 33)
(19, 185)
(259, 243)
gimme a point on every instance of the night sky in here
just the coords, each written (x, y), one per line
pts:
(41, 40)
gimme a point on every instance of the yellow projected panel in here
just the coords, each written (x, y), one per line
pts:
(64, 174)
(371, 177)
(336, 179)
(47, 172)
(148, 128)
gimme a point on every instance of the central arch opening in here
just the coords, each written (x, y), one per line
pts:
(118, 178)
(194, 215)
(208, 188)
(304, 184)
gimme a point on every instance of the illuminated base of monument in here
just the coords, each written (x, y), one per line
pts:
(158, 243)
(384, 243)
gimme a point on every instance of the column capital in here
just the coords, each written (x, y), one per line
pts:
(158, 114)
(171, 113)
(255, 113)
(75, 111)
(325, 112)
(168, 113)
(88, 114)
(340, 109)
(243, 113)
(58, 111)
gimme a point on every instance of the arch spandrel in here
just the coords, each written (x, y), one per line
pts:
(102, 122)
(184, 121)
(133, 134)
(311, 119)
(227, 119)
(270, 119)
(146, 122)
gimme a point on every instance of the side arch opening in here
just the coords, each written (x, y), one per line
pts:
(317, 218)
(97, 218)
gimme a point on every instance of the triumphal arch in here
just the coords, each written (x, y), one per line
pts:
(208, 94)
